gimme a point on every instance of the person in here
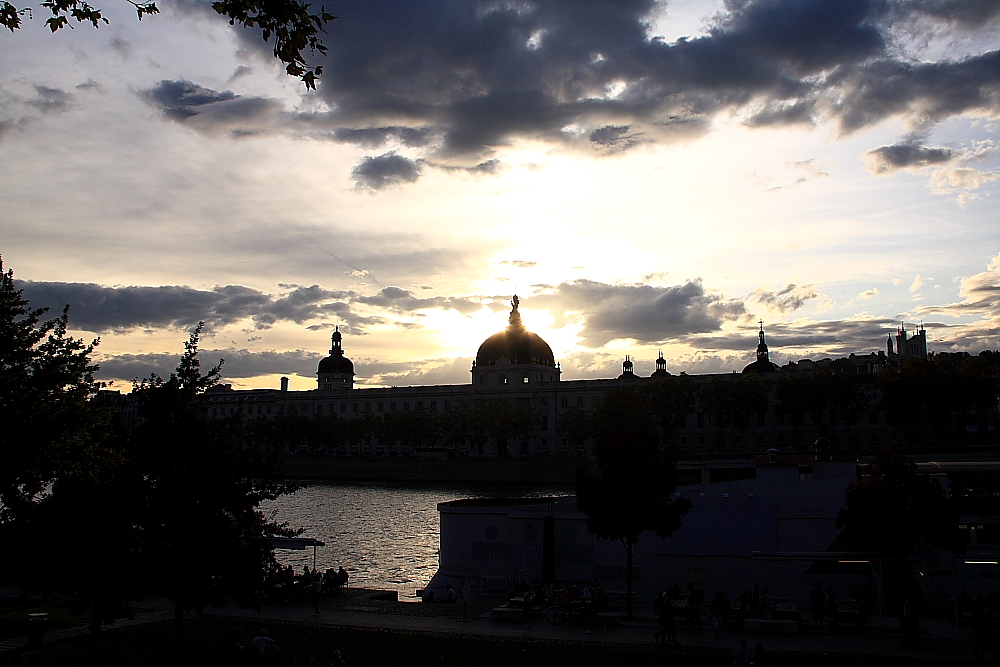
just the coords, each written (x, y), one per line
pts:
(761, 656)
(817, 599)
(675, 592)
(831, 607)
(449, 595)
(658, 605)
(695, 597)
(317, 659)
(742, 655)
(315, 591)
(338, 660)
(428, 597)
(263, 646)
(342, 576)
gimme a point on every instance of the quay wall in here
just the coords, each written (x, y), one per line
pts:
(542, 470)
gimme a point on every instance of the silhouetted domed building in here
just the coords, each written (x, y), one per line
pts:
(514, 355)
(336, 371)
(763, 363)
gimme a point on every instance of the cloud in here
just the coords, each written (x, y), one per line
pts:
(644, 313)
(52, 100)
(789, 298)
(386, 170)
(401, 300)
(917, 283)
(980, 294)
(423, 372)
(101, 309)
(887, 159)
(519, 263)
(239, 363)
(867, 294)
(211, 111)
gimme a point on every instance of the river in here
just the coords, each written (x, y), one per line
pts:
(384, 534)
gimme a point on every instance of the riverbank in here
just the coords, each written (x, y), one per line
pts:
(513, 470)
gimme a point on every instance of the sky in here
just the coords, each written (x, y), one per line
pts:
(647, 176)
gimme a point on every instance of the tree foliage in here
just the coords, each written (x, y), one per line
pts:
(631, 489)
(290, 26)
(892, 507)
(47, 428)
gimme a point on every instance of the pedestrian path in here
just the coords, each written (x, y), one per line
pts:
(58, 634)
(943, 643)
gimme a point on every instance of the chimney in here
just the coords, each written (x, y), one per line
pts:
(284, 384)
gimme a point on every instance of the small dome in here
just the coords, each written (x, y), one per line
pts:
(761, 366)
(515, 344)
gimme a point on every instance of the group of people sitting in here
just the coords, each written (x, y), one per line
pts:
(284, 584)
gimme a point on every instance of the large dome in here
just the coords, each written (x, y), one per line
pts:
(336, 363)
(515, 344)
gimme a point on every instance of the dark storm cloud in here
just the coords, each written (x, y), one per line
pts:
(52, 100)
(239, 363)
(401, 300)
(644, 313)
(382, 171)
(457, 80)
(967, 14)
(887, 159)
(101, 309)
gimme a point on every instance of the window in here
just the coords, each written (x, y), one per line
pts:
(368, 407)
(392, 406)
(701, 420)
(420, 405)
(544, 402)
(406, 405)
(482, 379)
(354, 408)
(579, 401)
(447, 404)
(434, 405)
(545, 422)
(524, 380)
(343, 408)
(269, 409)
(381, 406)
(503, 379)
(564, 402)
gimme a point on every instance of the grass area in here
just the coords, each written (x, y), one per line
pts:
(210, 642)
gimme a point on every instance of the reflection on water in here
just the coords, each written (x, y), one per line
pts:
(385, 534)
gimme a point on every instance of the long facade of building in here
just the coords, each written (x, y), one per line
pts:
(517, 366)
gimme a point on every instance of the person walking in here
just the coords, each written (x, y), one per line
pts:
(742, 658)
(817, 599)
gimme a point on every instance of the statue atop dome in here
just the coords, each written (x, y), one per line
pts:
(514, 322)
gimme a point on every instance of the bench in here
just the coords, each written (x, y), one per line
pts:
(770, 626)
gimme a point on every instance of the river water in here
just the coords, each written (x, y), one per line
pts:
(384, 534)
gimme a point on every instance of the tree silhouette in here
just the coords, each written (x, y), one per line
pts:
(47, 427)
(203, 484)
(631, 491)
(892, 507)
